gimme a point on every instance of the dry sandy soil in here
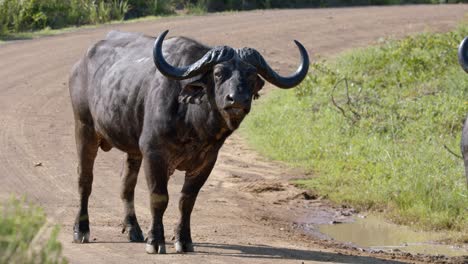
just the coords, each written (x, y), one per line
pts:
(247, 209)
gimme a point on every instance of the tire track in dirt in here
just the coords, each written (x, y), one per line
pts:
(230, 225)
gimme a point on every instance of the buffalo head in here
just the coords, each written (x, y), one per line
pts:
(229, 78)
(463, 54)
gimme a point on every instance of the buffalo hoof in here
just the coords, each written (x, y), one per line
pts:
(159, 248)
(80, 237)
(134, 233)
(183, 247)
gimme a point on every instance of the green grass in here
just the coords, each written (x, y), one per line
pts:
(40, 33)
(384, 150)
(25, 235)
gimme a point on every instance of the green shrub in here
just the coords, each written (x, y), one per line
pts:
(29, 15)
(139, 8)
(372, 126)
(197, 8)
(25, 237)
(118, 9)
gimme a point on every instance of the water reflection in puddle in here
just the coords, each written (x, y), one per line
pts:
(373, 232)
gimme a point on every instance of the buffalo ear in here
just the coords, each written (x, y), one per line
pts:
(193, 92)
(258, 86)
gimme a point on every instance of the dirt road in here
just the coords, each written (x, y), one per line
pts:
(240, 214)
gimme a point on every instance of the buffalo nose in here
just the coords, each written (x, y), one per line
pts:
(230, 98)
(238, 100)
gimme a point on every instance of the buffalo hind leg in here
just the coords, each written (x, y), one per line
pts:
(192, 185)
(464, 147)
(130, 171)
(87, 146)
(156, 178)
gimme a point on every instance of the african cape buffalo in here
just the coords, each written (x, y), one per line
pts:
(169, 105)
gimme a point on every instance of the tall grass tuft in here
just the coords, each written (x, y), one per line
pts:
(373, 125)
(199, 8)
(25, 235)
(140, 8)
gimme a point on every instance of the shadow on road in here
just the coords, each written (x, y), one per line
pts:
(260, 251)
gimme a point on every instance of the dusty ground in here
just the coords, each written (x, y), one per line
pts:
(246, 210)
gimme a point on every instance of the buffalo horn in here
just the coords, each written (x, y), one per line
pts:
(214, 56)
(254, 58)
(463, 54)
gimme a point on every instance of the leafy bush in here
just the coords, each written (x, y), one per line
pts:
(28, 15)
(372, 125)
(25, 237)
(139, 8)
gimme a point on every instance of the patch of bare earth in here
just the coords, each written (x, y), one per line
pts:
(247, 212)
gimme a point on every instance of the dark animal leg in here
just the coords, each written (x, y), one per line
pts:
(129, 179)
(87, 146)
(464, 146)
(156, 178)
(192, 185)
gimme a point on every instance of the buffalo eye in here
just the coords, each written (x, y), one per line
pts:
(251, 76)
(219, 74)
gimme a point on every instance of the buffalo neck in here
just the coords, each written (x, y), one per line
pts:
(206, 121)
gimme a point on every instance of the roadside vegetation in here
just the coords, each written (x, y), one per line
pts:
(25, 236)
(32, 15)
(223, 5)
(373, 127)
(19, 16)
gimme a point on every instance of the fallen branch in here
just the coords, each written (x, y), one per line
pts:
(453, 153)
(334, 102)
(349, 102)
(356, 115)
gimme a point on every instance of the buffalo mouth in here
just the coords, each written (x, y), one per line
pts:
(236, 111)
(234, 116)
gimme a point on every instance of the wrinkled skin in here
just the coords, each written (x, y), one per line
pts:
(120, 99)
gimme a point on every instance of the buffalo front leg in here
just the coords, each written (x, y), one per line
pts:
(87, 146)
(156, 178)
(192, 185)
(130, 171)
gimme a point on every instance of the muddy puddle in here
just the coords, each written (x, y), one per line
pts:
(374, 233)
